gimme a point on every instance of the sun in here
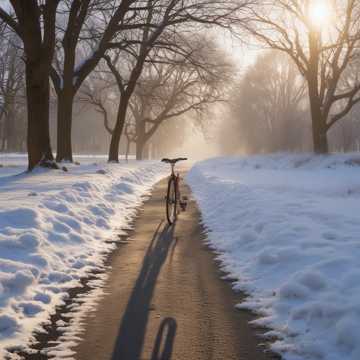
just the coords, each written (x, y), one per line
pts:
(320, 13)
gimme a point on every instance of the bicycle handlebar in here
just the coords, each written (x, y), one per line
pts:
(173, 161)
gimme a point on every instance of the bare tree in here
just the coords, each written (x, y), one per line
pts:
(165, 90)
(322, 38)
(345, 135)
(130, 135)
(168, 90)
(116, 24)
(34, 22)
(11, 85)
(168, 137)
(163, 24)
(88, 21)
(101, 93)
(268, 108)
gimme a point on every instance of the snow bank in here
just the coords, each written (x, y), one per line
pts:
(54, 228)
(287, 227)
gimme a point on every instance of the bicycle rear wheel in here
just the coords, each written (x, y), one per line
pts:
(171, 201)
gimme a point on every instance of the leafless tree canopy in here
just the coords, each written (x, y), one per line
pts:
(170, 86)
(66, 40)
(322, 53)
(268, 109)
(137, 64)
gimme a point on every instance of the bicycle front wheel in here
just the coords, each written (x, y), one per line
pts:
(171, 201)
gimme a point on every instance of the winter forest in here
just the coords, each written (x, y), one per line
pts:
(179, 179)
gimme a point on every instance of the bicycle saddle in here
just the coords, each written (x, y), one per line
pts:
(173, 161)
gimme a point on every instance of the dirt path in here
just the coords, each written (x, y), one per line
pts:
(165, 298)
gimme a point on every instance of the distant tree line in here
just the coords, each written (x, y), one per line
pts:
(269, 111)
(12, 96)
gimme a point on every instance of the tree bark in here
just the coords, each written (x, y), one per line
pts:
(128, 143)
(64, 126)
(319, 131)
(140, 138)
(318, 123)
(37, 91)
(139, 150)
(35, 26)
(3, 122)
(118, 130)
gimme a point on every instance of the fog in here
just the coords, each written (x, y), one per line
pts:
(197, 146)
(264, 109)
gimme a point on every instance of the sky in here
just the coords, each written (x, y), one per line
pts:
(242, 53)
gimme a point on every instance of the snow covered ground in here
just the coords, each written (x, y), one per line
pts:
(54, 227)
(287, 227)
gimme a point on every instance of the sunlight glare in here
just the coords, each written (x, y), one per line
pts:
(320, 13)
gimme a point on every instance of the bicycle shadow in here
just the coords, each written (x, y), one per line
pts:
(165, 340)
(131, 334)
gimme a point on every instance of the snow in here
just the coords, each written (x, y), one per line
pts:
(287, 228)
(55, 228)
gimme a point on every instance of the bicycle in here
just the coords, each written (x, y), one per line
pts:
(173, 196)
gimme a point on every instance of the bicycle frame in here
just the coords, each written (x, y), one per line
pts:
(176, 178)
(174, 203)
(173, 170)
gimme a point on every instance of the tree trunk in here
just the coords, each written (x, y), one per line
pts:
(119, 127)
(140, 138)
(64, 126)
(3, 145)
(139, 150)
(320, 141)
(38, 136)
(2, 129)
(127, 150)
(319, 131)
